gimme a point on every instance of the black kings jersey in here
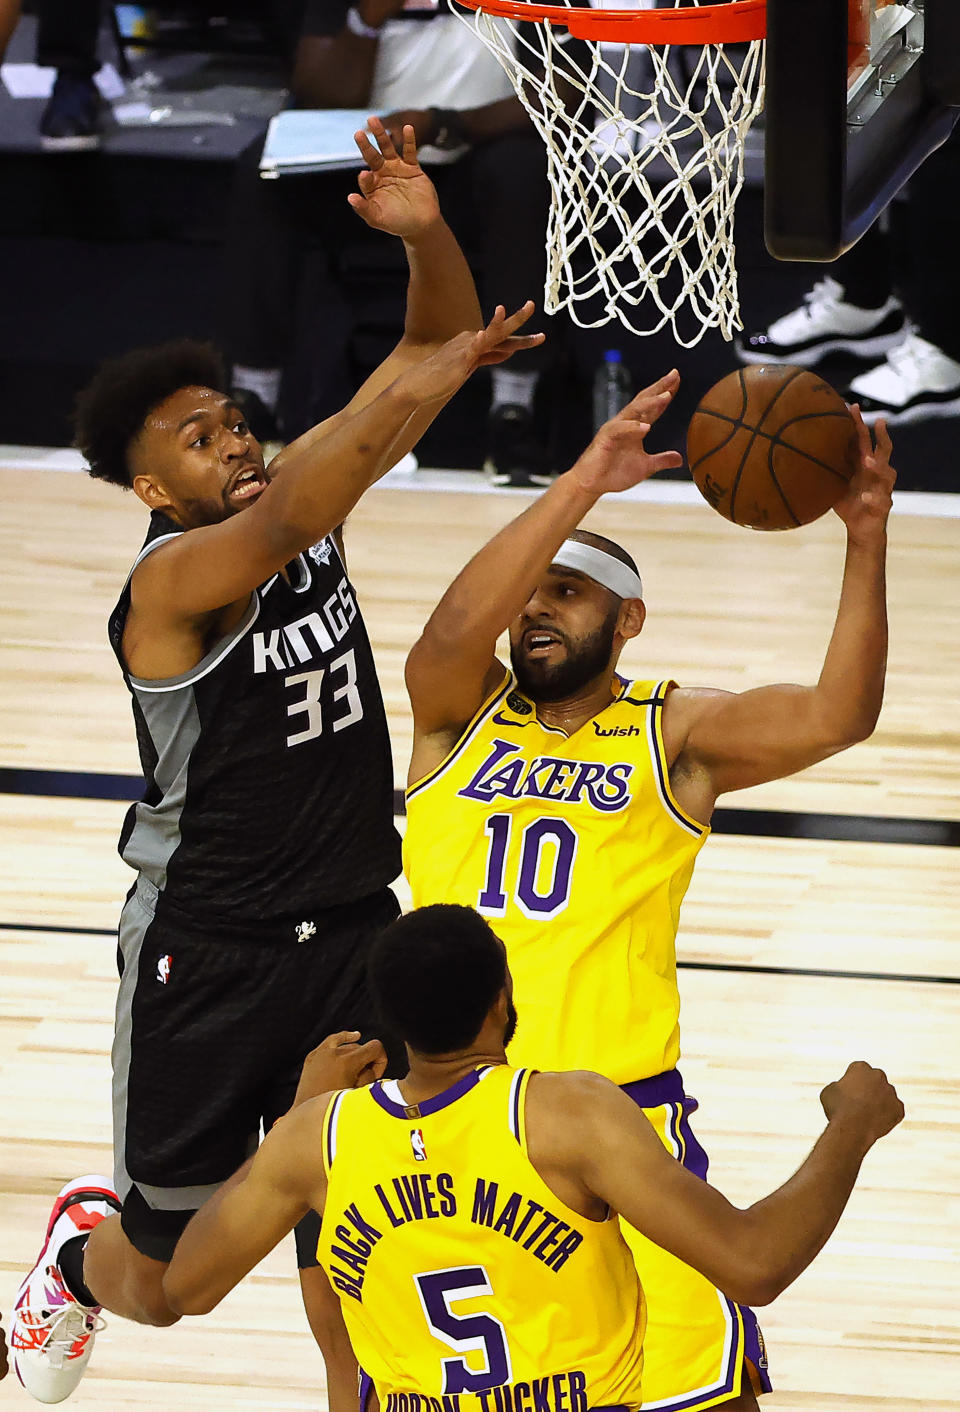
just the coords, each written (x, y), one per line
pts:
(269, 779)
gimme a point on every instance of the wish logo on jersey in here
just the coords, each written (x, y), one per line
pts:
(507, 774)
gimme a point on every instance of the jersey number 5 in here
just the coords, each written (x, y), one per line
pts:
(548, 849)
(309, 704)
(465, 1333)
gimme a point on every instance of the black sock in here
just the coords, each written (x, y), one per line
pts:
(70, 1265)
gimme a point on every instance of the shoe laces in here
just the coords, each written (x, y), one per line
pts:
(64, 1327)
(911, 353)
(825, 293)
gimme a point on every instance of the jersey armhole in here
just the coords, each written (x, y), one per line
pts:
(517, 1105)
(661, 772)
(328, 1137)
(452, 754)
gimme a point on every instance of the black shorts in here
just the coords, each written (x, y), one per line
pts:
(213, 1025)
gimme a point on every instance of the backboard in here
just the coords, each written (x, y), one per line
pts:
(859, 93)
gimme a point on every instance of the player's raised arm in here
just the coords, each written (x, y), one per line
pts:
(753, 1254)
(732, 741)
(451, 668)
(397, 197)
(219, 563)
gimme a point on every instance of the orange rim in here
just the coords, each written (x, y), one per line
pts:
(732, 23)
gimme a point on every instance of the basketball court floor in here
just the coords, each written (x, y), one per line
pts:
(823, 923)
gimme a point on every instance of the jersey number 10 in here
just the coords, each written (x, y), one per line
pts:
(539, 892)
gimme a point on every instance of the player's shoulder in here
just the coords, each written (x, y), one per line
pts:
(683, 707)
(572, 1092)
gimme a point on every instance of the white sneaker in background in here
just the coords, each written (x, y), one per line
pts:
(916, 381)
(824, 324)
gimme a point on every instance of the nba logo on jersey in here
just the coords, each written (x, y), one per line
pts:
(418, 1145)
(163, 969)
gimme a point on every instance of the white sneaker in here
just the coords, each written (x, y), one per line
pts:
(824, 324)
(915, 381)
(51, 1333)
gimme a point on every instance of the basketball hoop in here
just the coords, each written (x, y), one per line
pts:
(645, 151)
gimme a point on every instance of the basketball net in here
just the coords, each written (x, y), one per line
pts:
(645, 149)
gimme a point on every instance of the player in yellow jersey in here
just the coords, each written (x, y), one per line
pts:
(569, 804)
(469, 1210)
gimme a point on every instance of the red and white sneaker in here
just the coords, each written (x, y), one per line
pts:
(52, 1334)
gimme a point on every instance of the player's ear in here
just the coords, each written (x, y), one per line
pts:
(151, 492)
(632, 616)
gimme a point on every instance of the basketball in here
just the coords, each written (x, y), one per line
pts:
(772, 447)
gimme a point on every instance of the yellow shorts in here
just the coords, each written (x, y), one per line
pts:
(696, 1339)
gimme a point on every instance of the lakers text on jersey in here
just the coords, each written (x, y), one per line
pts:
(466, 1284)
(576, 851)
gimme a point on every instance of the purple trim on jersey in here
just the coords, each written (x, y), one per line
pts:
(515, 1103)
(366, 1388)
(429, 1105)
(651, 1093)
(666, 1090)
(332, 1127)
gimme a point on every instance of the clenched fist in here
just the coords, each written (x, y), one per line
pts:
(867, 1096)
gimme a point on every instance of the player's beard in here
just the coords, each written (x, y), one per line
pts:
(511, 1029)
(587, 658)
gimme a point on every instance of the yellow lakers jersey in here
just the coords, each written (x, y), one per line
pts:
(576, 851)
(466, 1284)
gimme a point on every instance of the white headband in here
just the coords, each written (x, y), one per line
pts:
(600, 566)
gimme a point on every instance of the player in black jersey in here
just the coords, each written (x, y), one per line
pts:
(264, 844)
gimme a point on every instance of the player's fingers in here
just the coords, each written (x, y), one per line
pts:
(864, 440)
(334, 1041)
(665, 461)
(384, 140)
(650, 409)
(409, 152)
(505, 325)
(370, 154)
(668, 383)
(367, 1056)
(884, 444)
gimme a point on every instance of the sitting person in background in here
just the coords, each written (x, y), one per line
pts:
(407, 65)
(874, 304)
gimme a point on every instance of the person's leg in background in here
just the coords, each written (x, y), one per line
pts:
(512, 198)
(271, 225)
(67, 33)
(852, 309)
(920, 378)
(261, 271)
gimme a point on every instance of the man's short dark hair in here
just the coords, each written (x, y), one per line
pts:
(434, 976)
(609, 546)
(113, 408)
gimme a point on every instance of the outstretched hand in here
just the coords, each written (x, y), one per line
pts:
(396, 195)
(616, 458)
(438, 377)
(865, 506)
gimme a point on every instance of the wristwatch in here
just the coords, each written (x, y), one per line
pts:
(449, 129)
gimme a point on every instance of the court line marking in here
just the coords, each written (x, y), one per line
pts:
(932, 504)
(747, 823)
(738, 967)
